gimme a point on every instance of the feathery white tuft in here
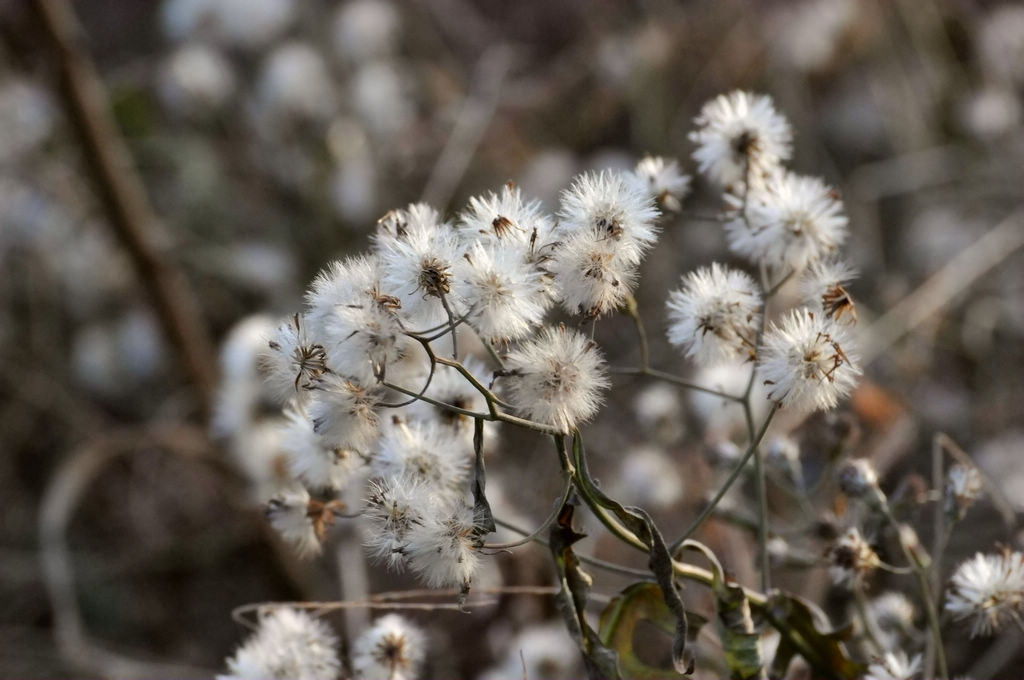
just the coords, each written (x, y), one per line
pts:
(823, 287)
(988, 591)
(293, 360)
(740, 130)
(791, 221)
(591, 277)
(393, 507)
(311, 460)
(418, 254)
(289, 644)
(556, 378)
(288, 513)
(426, 452)
(392, 649)
(613, 207)
(715, 316)
(807, 361)
(443, 549)
(506, 294)
(505, 218)
(664, 181)
(343, 412)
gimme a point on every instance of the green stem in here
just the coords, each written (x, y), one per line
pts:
(724, 488)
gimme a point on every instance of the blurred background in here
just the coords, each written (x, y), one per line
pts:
(267, 136)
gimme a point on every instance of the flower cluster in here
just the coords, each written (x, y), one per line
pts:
(988, 591)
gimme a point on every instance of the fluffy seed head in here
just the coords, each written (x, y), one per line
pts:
(426, 452)
(443, 550)
(505, 218)
(310, 459)
(289, 644)
(393, 507)
(737, 131)
(807, 362)
(791, 221)
(715, 315)
(289, 514)
(663, 181)
(610, 207)
(591, 276)
(506, 294)
(343, 412)
(556, 378)
(987, 591)
(392, 649)
(823, 289)
(294, 360)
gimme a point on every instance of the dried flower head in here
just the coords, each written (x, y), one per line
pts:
(294, 360)
(851, 559)
(857, 478)
(823, 289)
(807, 362)
(418, 264)
(556, 377)
(444, 549)
(715, 316)
(663, 181)
(591, 275)
(963, 487)
(343, 412)
(737, 133)
(392, 649)
(289, 644)
(290, 514)
(393, 507)
(988, 591)
(504, 218)
(789, 221)
(506, 294)
(311, 459)
(610, 207)
(423, 451)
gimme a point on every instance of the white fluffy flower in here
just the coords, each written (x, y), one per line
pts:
(610, 207)
(426, 452)
(807, 363)
(987, 590)
(591, 276)
(663, 181)
(310, 459)
(737, 131)
(418, 255)
(791, 221)
(505, 218)
(556, 378)
(851, 558)
(343, 412)
(822, 287)
(294, 359)
(895, 666)
(289, 644)
(289, 514)
(392, 649)
(506, 294)
(393, 507)
(359, 324)
(715, 316)
(443, 549)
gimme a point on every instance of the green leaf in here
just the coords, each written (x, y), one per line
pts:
(642, 601)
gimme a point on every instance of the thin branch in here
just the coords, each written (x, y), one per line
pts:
(130, 214)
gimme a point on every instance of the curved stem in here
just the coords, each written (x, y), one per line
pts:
(559, 502)
(709, 508)
(675, 380)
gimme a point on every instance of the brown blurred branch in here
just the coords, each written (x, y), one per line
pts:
(118, 183)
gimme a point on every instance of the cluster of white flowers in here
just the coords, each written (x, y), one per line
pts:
(786, 224)
(366, 399)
